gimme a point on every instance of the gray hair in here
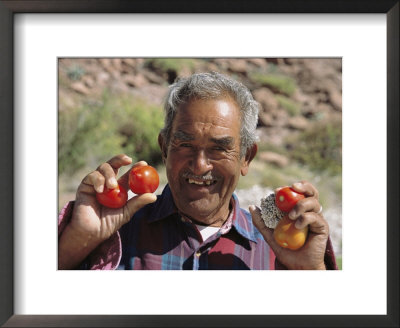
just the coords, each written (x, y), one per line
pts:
(213, 86)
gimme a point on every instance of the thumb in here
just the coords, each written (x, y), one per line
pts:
(267, 233)
(136, 203)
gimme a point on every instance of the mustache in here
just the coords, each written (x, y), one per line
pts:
(207, 177)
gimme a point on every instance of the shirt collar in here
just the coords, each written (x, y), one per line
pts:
(164, 206)
(238, 218)
(241, 220)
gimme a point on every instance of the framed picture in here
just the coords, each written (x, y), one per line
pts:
(27, 201)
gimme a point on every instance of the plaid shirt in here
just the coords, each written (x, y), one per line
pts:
(158, 238)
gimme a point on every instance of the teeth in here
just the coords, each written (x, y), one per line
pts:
(201, 183)
(195, 182)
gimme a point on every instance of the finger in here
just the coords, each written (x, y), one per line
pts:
(304, 205)
(317, 224)
(120, 160)
(85, 189)
(124, 179)
(136, 203)
(306, 188)
(110, 169)
(109, 174)
(95, 180)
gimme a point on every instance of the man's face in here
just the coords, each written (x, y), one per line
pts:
(203, 159)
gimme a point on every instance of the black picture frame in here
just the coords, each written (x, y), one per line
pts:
(7, 172)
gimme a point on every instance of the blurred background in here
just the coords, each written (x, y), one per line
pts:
(108, 106)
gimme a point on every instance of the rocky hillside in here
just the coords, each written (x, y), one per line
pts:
(293, 93)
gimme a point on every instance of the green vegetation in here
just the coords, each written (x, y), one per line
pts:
(89, 135)
(266, 146)
(272, 68)
(170, 64)
(75, 72)
(289, 105)
(277, 82)
(320, 147)
(339, 262)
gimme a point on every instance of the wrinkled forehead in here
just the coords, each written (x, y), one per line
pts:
(220, 117)
(187, 105)
(218, 108)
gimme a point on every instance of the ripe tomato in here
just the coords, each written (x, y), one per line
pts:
(143, 179)
(286, 198)
(113, 198)
(288, 236)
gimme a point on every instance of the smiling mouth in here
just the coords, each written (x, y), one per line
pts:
(201, 182)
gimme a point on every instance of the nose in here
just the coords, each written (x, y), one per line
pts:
(200, 163)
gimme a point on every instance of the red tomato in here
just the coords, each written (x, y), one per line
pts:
(143, 179)
(288, 236)
(286, 198)
(113, 198)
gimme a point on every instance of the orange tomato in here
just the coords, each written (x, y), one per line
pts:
(288, 236)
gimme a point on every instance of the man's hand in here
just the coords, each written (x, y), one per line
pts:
(92, 223)
(305, 212)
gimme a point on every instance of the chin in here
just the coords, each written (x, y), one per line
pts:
(199, 209)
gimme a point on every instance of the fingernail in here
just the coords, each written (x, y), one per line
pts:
(292, 215)
(297, 185)
(252, 208)
(126, 158)
(141, 163)
(297, 225)
(113, 182)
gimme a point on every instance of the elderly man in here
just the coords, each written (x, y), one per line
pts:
(207, 142)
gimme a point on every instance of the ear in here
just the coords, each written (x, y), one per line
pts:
(250, 154)
(163, 146)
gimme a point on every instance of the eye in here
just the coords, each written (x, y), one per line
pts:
(185, 145)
